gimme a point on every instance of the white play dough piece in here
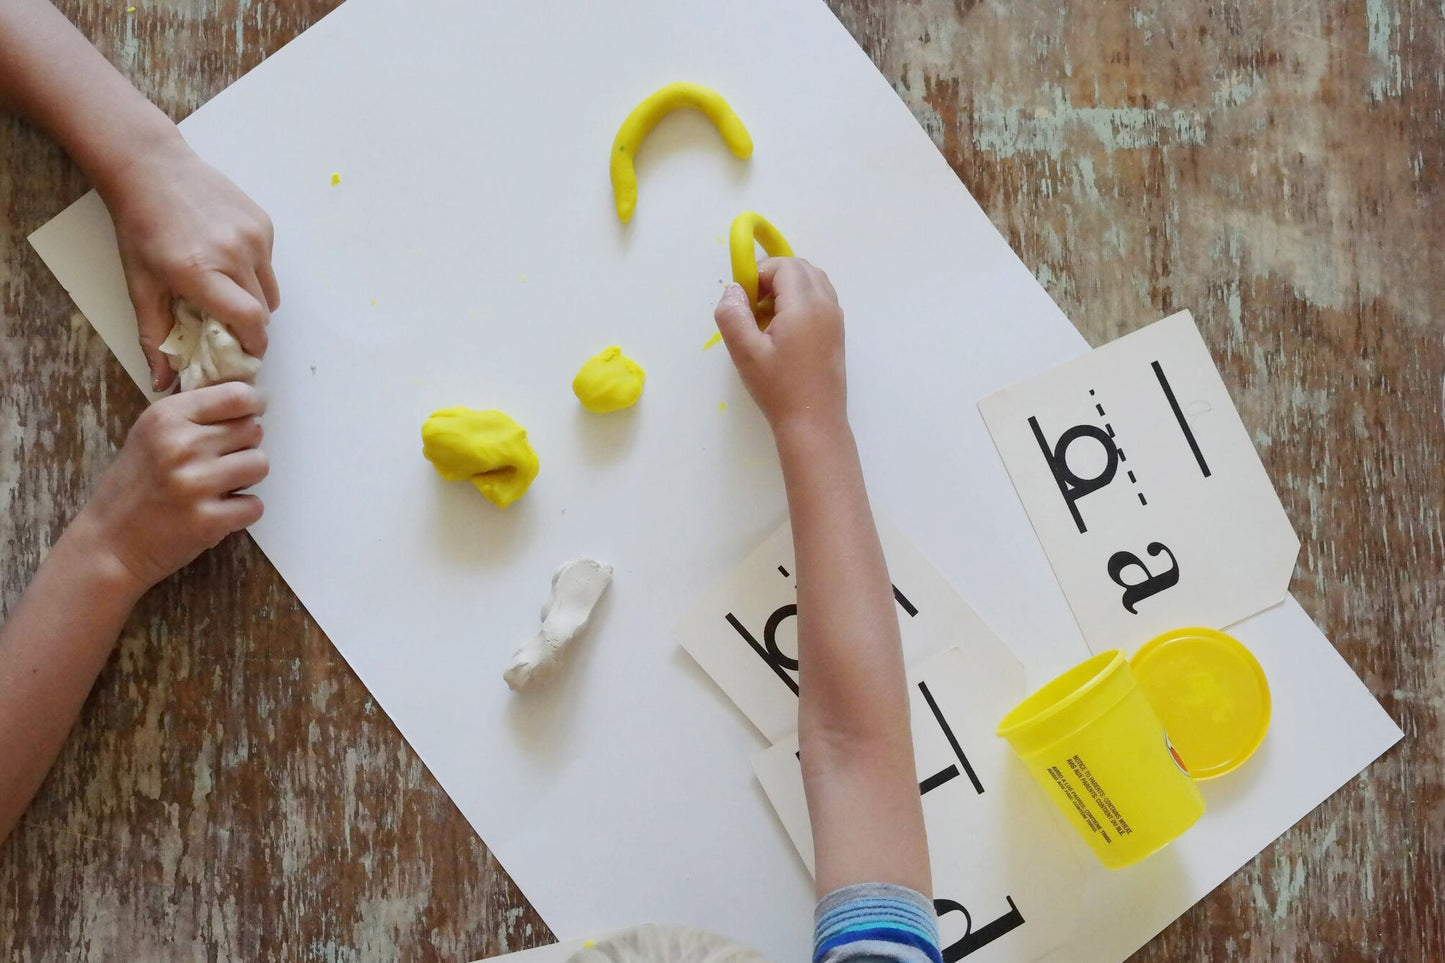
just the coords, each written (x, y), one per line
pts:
(203, 351)
(651, 943)
(576, 588)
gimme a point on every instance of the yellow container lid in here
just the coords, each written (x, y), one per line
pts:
(1210, 694)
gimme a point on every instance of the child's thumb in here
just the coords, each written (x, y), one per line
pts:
(153, 318)
(735, 319)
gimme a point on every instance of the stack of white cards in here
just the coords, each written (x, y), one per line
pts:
(1007, 872)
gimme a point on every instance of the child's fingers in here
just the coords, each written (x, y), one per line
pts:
(736, 322)
(798, 274)
(153, 318)
(235, 512)
(767, 275)
(784, 278)
(269, 287)
(223, 402)
(238, 434)
(238, 470)
(249, 280)
(824, 284)
(229, 302)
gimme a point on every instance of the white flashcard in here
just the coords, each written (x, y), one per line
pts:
(744, 632)
(1008, 877)
(1144, 488)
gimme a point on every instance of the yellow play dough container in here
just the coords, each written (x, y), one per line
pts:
(1210, 693)
(1093, 741)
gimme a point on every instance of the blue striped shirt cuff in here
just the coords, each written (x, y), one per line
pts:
(875, 922)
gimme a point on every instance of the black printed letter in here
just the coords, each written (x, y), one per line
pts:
(972, 941)
(1071, 486)
(1151, 584)
(948, 772)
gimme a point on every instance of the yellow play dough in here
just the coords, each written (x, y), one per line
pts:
(486, 448)
(646, 115)
(749, 230)
(609, 381)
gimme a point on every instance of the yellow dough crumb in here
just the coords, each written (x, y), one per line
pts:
(722, 406)
(716, 339)
(486, 448)
(609, 381)
(335, 179)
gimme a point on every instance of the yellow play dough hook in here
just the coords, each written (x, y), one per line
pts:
(749, 229)
(646, 115)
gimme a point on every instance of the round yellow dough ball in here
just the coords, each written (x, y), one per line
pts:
(486, 448)
(609, 381)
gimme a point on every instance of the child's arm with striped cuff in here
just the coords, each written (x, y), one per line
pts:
(875, 923)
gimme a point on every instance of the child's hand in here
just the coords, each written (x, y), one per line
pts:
(168, 496)
(186, 231)
(793, 368)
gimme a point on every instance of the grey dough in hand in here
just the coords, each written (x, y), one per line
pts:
(203, 351)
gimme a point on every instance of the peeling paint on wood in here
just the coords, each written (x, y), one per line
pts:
(232, 791)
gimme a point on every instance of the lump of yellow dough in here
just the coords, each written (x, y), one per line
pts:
(486, 448)
(609, 381)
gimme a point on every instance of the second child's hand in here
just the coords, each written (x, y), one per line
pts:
(184, 230)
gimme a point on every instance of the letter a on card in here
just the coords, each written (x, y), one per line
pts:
(1144, 488)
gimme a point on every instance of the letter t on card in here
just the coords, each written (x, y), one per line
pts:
(1008, 872)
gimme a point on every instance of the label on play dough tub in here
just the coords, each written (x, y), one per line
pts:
(1088, 785)
(1124, 799)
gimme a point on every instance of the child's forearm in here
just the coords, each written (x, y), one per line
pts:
(848, 630)
(853, 718)
(52, 646)
(53, 77)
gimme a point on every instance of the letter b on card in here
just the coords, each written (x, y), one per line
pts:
(744, 632)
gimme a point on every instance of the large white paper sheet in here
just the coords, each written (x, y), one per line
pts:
(471, 141)
(551, 953)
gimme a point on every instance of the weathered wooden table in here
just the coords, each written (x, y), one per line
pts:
(233, 793)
